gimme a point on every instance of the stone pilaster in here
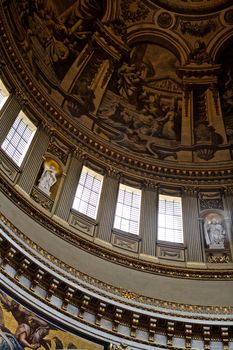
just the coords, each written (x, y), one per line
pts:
(187, 114)
(107, 207)
(34, 160)
(69, 188)
(191, 228)
(8, 117)
(148, 220)
(228, 201)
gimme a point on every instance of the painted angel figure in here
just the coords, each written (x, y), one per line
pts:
(30, 331)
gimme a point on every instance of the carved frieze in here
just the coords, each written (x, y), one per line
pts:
(126, 242)
(198, 29)
(169, 253)
(78, 222)
(42, 198)
(37, 280)
(58, 149)
(8, 169)
(218, 258)
(211, 203)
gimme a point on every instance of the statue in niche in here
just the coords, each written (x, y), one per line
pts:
(214, 233)
(48, 178)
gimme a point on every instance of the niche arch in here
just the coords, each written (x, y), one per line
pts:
(169, 40)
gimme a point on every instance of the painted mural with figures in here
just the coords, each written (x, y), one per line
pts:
(142, 106)
(132, 85)
(21, 329)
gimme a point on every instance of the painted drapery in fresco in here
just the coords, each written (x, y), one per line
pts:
(21, 329)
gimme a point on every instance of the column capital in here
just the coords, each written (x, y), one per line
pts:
(114, 173)
(190, 191)
(149, 185)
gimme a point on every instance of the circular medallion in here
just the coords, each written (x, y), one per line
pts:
(228, 16)
(164, 20)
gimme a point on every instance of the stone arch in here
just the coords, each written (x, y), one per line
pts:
(111, 10)
(219, 43)
(169, 40)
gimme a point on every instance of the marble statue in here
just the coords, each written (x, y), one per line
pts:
(47, 180)
(214, 234)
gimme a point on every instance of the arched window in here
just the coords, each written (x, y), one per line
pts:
(127, 214)
(19, 138)
(88, 192)
(170, 225)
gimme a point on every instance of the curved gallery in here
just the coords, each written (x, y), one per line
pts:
(116, 173)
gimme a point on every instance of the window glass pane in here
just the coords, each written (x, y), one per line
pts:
(170, 225)
(119, 209)
(19, 138)
(88, 193)
(128, 209)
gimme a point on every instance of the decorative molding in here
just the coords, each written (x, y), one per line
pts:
(218, 259)
(228, 16)
(198, 29)
(7, 168)
(8, 253)
(139, 12)
(126, 242)
(176, 254)
(84, 225)
(58, 149)
(41, 199)
(165, 20)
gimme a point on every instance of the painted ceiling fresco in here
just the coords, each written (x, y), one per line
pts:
(130, 92)
(21, 329)
(226, 90)
(142, 105)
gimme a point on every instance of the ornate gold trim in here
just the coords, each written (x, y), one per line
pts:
(118, 292)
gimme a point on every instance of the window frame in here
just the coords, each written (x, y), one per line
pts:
(29, 124)
(135, 191)
(173, 199)
(95, 175)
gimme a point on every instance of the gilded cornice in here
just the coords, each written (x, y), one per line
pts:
(114, 332)
(76, 279)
